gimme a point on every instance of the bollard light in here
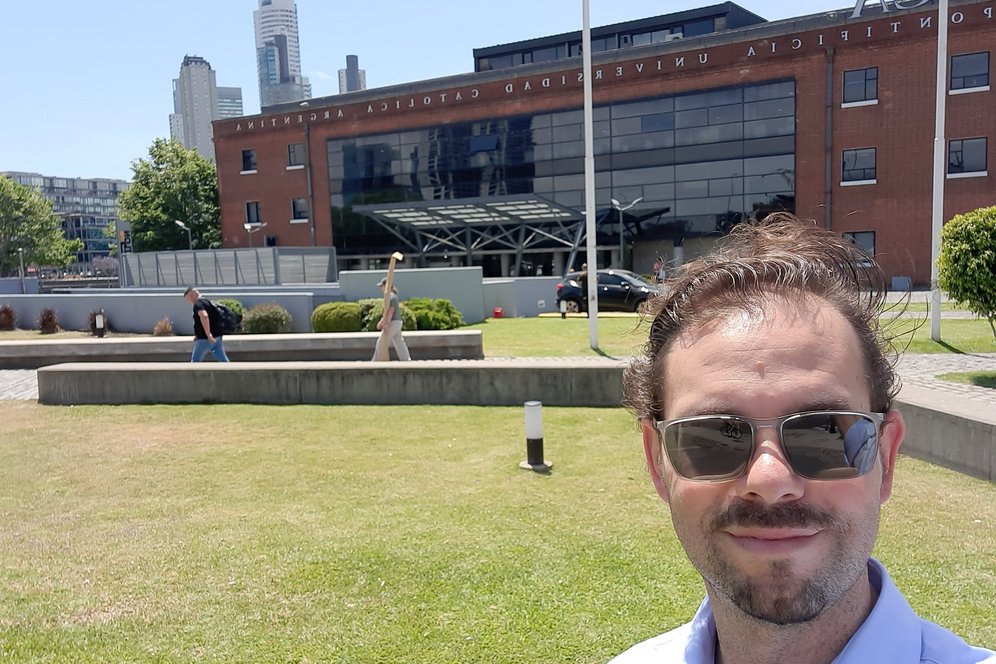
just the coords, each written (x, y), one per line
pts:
(98, 322)
(563, 309)
(534, 439)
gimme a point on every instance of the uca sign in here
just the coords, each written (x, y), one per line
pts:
(888, 5)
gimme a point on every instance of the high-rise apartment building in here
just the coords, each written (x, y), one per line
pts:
(229, 103)
(278, 54)
(195, 98)
(352, 78)
(197, 101)
(86, 206)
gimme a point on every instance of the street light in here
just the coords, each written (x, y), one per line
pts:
(190, 237)
(619, 210)
(307, 175)
(20, 258)
(252, 228)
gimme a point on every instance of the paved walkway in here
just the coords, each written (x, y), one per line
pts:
(917, 370)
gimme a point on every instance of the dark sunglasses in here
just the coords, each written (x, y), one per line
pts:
(819, 445)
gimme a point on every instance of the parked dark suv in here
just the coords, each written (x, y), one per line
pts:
(618, 290)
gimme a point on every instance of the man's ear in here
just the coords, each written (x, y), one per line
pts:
(891, 436)
(654, 452)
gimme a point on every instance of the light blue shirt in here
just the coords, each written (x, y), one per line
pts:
(891, 634)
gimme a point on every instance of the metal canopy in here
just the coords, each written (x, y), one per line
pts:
(468, 225)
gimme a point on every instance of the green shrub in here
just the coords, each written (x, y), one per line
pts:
(434, 314)
(372, 309)
(48, 322)
(337, 317)
(266, 319)
(967, 262)
(92, 322)
(8, 318)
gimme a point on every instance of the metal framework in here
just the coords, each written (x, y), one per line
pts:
(470, 225)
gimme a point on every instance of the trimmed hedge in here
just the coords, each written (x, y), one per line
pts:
(337, 317)
(266, 319)
(371, 310)
(418, 313)
(434, 314)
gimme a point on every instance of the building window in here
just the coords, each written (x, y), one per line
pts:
(299, 208)
(860, 85)
(970, 71)
(967, 156)
(249, 161)
(858, 166)
(295, 154)
(252, 212)
(866, 241)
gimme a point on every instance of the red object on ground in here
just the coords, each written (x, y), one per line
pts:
(498, 312)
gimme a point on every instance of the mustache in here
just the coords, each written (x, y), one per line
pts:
(781, 515)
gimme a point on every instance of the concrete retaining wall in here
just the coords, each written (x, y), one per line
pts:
(942, 429)
(939, 428)
(426, 345)
(477, 383)
(137, 312)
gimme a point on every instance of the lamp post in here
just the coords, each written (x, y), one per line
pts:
(252, 228)
(307, 174)
(190, 237)
(20, 258)
(619, 212)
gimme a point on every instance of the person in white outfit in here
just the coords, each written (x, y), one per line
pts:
(391, 321)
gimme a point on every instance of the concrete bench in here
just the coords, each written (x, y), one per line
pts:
(468, 382)
(425, 345)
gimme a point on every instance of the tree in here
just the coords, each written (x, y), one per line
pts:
(967, 262)
(173, 184)
(28, 223)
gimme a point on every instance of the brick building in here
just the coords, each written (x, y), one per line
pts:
(701, 118)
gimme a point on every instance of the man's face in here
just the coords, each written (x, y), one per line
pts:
(779, 547)
(191, 297)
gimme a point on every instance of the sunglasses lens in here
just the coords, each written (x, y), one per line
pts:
(830, 445)
(708, 448)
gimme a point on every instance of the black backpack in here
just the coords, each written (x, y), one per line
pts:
(228, 319)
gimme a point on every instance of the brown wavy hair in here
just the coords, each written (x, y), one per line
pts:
(781, 256)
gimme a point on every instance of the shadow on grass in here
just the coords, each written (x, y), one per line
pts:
(950, 348)
(985, 380)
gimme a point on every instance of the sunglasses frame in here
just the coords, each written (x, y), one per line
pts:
(757, 423)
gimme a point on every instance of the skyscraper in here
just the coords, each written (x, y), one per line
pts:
(278, 55)
(352, 78)
(229, 103)
(197, 100)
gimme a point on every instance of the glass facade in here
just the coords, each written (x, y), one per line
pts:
(699, 161)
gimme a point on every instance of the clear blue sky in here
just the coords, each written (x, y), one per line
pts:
(88, 83)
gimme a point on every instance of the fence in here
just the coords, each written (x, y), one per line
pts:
(264, 266)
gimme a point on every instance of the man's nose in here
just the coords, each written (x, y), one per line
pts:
(769, 476)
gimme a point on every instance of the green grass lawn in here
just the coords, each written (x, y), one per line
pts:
(621, 336)
(371, 534)
(958, 336)
(980, 378)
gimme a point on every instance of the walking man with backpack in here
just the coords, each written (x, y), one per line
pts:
(207, 328)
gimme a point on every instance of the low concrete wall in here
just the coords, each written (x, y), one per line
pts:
(426, 345)
(521, 296)
(942, 429)
(472, 382)
(137, 312)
